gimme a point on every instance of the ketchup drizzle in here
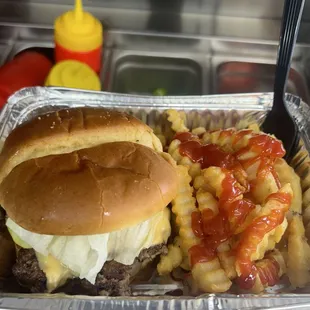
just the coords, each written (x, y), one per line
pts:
(213, 229)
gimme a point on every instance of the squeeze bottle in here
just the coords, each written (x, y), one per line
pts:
(79, 36)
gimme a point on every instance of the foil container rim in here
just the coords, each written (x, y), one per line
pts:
(56, 96)
(228, 101)
(158, 297)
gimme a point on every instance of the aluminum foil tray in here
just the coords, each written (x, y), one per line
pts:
(218, 111)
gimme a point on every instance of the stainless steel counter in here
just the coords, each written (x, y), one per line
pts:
(249, 19)
(141, 62)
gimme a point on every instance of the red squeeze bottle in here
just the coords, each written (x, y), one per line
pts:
(79, 36)
(25, 70)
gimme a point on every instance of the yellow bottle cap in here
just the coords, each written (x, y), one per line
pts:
(77, 30)
(73, 74)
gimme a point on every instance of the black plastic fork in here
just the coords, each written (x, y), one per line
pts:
(279, 121)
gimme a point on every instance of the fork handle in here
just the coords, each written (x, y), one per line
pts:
(292, 12)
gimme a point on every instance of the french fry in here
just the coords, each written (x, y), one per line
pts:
(263, 175)
(183, 206)
(177, 120)
(211, 277)
(170, 261)
(298, 263)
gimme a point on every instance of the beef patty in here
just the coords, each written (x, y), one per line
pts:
(113, 279)
(2, 220)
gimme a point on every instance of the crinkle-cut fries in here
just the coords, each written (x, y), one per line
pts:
(240, 210)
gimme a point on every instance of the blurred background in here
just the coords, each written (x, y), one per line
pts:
(180, 47)
(230, 18)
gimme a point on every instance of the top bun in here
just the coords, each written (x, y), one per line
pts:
(68, 130)
(91, 191)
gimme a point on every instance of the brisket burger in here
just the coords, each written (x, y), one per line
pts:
(85, 192)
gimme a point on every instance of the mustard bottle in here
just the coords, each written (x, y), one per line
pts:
(78, 35)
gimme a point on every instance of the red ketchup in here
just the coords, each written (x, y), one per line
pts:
(25, 70)
(213, 229)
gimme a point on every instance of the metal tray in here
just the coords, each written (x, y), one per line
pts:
(243, 77)
(135, 74)
(201, 63)
(218, 111)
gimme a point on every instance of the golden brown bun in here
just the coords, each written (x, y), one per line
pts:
(72, 129)
(90, 191)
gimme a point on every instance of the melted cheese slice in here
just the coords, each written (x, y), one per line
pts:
(62, 257)
(56, 273)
